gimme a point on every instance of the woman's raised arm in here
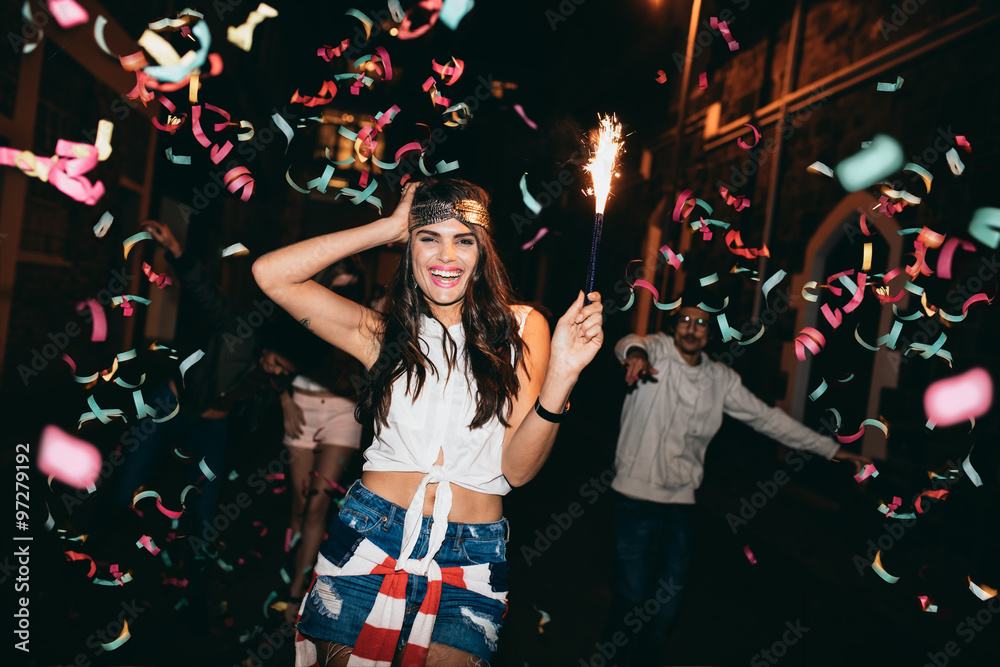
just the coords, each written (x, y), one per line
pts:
(285, 276)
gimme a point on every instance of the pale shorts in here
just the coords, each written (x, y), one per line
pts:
(329, 421)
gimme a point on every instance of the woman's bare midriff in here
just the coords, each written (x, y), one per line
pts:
(467, 506)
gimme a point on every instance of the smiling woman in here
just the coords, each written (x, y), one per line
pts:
(460, 411)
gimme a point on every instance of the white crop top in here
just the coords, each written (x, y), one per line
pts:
(438, 420)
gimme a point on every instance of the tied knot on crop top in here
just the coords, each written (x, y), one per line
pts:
(438, 421)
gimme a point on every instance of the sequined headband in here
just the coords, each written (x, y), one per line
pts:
(468, 211)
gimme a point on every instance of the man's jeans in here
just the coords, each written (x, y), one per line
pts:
(653, 552)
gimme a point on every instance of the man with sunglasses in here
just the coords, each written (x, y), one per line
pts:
(674, 408)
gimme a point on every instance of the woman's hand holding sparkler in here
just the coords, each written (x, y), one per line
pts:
(577, 337)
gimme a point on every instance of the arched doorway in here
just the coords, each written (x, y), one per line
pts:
(825, 250)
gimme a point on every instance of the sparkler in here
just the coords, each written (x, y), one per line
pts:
(607, 145)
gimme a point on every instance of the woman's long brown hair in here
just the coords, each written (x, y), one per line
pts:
(493, 345)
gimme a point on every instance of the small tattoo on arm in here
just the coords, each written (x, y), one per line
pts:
(305, 322)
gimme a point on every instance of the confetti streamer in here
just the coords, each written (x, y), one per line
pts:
(924, 175)
(880, 571)
(433, 10)
(749, 555)
(656, 297)
(194, 358)
(103, 225)
(235, 250)
(735, 244)
(965, 307)
(543, 620)
(984, 227)
(68, 13)
(538, 237)
(73, 556)
(948, 253)
(771, 283)
(70, 460)
(844, 439)
(242, 36)
(132, 240)
(954, 162)
(209, 475)
(811, 339)
(177, 159)
(869, 166)
(739, 203)
(937, 494)
(889, 87)
(157, 279)
(819, 391)
(453, 11)
(99, 323)
(520, 112)
(971, 472)
(67, 168)
(703, 81)
(866, 472)
(723, 27)
(956, 399)
(927, 605)
(171, 68)
(147, 542)
(529, 201)
(820, 168)
(239, 178)
(981, 591)
(756, 137)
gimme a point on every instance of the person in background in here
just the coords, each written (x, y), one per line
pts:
(236, 376)
(667, 423)
(322, 433)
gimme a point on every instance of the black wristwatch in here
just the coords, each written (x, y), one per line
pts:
(550, 416)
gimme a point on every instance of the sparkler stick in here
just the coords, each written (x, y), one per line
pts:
(604, 158)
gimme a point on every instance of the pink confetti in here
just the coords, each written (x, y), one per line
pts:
(703, 81)
(749, 555)
(672, 258)
(661, 76)
(70, 460)
(948, 253)
(738, 202)
(99, 332)
(960, 398)
(237, 178)
(756, 138)
(538, 237)
(67, 13)
(449, 74)
(432, 7)
(866, 472)
(157, 279)
(147, 541)
(520, 112)
(679, 204)
(963, 142)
